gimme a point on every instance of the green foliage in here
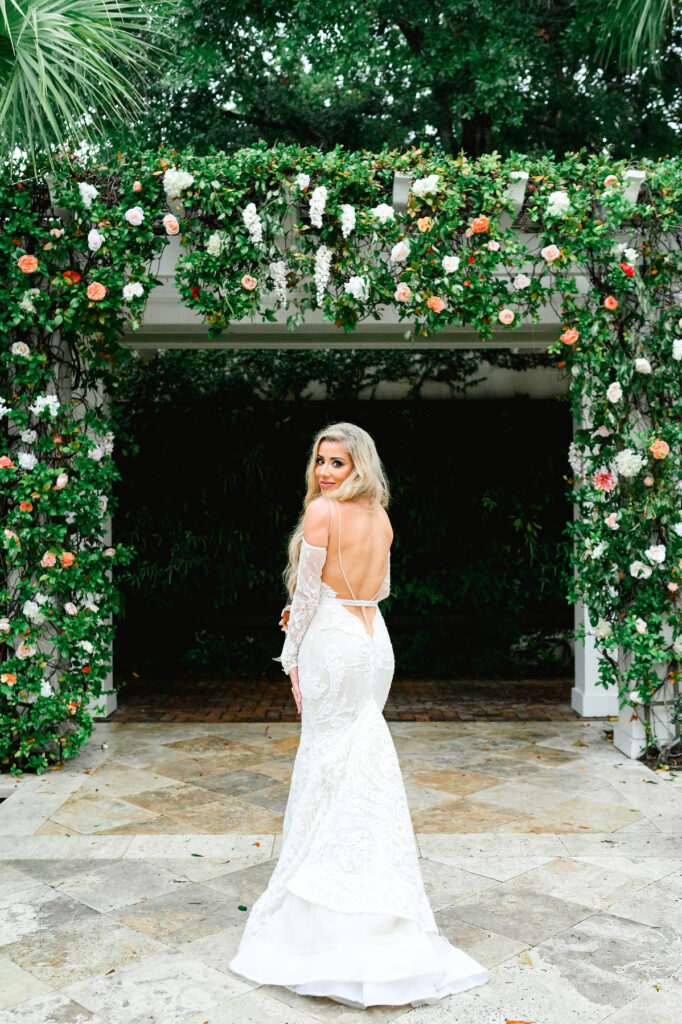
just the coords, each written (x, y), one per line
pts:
(453, 76)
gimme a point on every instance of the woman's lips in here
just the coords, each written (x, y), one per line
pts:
(326, 483)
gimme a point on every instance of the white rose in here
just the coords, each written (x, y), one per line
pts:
(558, 203)
(677, 527)
(642, 366)
(639, 570)
(450, 264)
(88, 193)
(61, 481)
(27, 461)
(656, 553)
(20, 348)
(174, 181)
(134, 216)
(677, 349)
(521, 281)
(425, 186)
(400, 251)
(603, 629)
(640, 625)
(677, 646)
(31, 610)
(214, 244)
(95, 239)
(28, 436)
(302, 180)
(628, 463)
(45, 688)
(598, 550)
(96, 453)
(70, 608)
(133, 289)
(358, 287)
(86, 645)
(383, 212)
(4, 625)
(614, 392)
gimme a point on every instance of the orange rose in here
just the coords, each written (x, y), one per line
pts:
(570, 336)
(72, 276)
(425, 224)
(436, 304)
(26, 506)
(28, 264)
(610, 302)
(96, 291)
(249, 282)
(479, 224)
(67, 559)
(6, 462)
(659, 449)
(9, 678)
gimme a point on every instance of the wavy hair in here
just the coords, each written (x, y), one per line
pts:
(366, 480)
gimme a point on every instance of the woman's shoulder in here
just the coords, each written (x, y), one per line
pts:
(316, 521)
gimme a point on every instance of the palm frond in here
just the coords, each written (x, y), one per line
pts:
(66, 63)
(636, 31)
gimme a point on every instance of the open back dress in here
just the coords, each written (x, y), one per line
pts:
(345, 914)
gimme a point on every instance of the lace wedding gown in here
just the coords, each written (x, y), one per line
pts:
(345, 914)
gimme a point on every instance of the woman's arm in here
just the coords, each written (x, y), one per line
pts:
(308, 581)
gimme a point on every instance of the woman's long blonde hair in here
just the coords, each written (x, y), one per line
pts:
(366, 480)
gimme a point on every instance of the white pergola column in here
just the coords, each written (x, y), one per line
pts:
(589, 697)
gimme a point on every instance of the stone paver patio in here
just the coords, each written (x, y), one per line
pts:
(547, 855)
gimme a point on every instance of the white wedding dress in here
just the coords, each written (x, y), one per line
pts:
(345, 914)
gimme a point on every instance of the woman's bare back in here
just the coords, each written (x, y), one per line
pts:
(366, 537)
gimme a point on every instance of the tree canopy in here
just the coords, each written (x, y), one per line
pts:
(471, 75)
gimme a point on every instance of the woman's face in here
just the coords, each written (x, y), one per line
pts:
(332, 465)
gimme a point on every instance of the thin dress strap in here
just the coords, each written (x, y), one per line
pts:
(355, 600)
(331, 517)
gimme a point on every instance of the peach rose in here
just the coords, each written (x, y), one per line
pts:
(109, 552)
(6, 462)
(249, 282)
(610, 302)
(48, 559)
(550, 253)
(435, 303)
(403, 293)
(570, 336)
(72, 706)
(171, 224)
(137, 186)
(28, 264)
(8, 678)
(610, 181)
(673, 587)
(25, 506)
(659, 449)
(57, 232)
(506, 316)
(648, 481)
(479, 224)
(425, 224)
(96, 291)
(67, 559)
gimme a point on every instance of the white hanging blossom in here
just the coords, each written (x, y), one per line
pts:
(302, 180)
(317, 204)
(27, 301)
(253, 222)
(323, 260)
(575, 458)
(358, 287)
(278, 273)
(347, 219)
(49, 402)
(603, 629)
(215, 243)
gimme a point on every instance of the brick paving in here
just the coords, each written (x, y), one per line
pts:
(409, 700)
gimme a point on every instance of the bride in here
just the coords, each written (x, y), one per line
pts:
(345, 914)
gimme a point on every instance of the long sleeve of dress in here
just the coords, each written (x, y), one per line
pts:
(304, 602)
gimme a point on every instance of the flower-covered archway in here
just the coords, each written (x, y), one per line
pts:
(434, 245)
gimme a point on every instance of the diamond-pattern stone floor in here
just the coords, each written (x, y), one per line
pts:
(547, 855)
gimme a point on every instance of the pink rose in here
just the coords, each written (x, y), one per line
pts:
(506, 316)
(171, 224)
(659, 449)
(61, 481)
(249, 282)
(570, 336)
(610, 302)
(550, 253)
(48, 559)
(137, 186)
(648, 481)
(612, 521)
(403, 293)
(604, 482)
(96, 291)
(108, 552)
(673, 587)
(493, 245)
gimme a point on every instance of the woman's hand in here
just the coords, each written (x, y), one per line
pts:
(284, 620)
(293, 675)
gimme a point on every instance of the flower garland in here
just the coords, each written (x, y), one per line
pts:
(295, 229)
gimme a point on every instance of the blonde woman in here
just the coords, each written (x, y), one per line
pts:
(345, 914)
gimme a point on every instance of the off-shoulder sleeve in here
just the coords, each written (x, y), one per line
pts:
(304, 602)
(385, 588)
